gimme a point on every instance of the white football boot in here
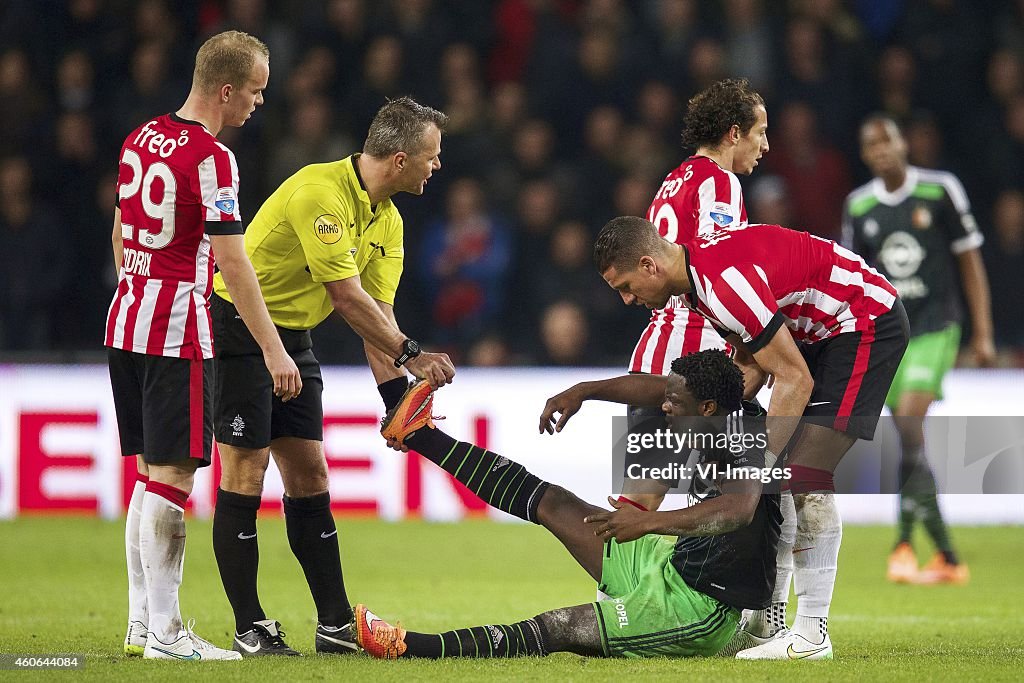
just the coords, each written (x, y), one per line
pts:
(787, 644)
(135, 639)
(188, 647)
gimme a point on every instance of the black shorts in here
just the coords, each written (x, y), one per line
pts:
(164, 406)
(246, 412)
(853, 372)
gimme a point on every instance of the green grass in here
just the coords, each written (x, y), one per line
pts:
(62, 589)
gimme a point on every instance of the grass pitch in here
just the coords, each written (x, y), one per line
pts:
(62, 590)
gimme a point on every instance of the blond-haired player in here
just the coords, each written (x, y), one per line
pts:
(177, 208)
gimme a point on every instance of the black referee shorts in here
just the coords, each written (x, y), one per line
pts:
(852, 374)
(246, 413)
(164, 406)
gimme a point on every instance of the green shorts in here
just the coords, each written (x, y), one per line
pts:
(653, 612)
(927, 360)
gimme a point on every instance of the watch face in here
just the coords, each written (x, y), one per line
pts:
(412, 347)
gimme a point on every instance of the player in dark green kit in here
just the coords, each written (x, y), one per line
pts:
(915, 225)
(670, 596)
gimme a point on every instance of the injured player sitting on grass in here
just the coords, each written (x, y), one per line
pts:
(668, 596)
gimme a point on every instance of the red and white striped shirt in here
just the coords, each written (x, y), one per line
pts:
(176, 184)
(751, 280)
(695, 199)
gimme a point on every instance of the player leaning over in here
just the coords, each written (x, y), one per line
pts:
(670, 596)
(177, 209)
(328, 239)
(916, 226)
(829, 329)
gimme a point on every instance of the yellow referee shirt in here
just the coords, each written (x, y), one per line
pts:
(318, 227)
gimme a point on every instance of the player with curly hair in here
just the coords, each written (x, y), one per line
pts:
(669, 597)
(714, 111)
(726, 127)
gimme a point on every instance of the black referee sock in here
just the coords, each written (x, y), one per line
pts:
(238, 555)
(392, 391)
(522, 639)
(500, 482)
(313, 538)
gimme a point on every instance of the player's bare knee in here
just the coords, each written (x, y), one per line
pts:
(244, 472)
(557, 503)
(302, 465)
(310, 479)
(248, 482)
(553, 503)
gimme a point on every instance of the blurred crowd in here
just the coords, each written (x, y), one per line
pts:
(564, 113)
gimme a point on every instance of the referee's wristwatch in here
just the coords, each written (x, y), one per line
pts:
(410, 349)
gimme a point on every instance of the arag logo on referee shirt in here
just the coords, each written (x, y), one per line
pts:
(327, 228)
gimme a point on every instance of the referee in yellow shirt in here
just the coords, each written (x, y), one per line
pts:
(328, 239)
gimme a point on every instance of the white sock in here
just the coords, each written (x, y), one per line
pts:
(767, 622)
(162, 547)
(819, 533)
(813, 629)
(137, 606)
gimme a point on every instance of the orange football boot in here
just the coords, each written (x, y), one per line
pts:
(411, 413)
(902, 565)
(379, 638)
(938, 570)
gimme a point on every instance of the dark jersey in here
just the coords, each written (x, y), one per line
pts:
(737, 568)
(912, 236)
